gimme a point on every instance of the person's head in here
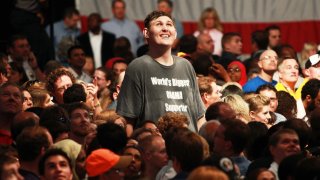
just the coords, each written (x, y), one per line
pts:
(202, 64)
(121, 46)
(136, 165)
(231, 137)
(103, 77)
(71, 17)
(286, 51)
(232, 42)
(209, 19)
(153, 151)
(76, 57)
(105, 164)
(111, 136)
(165, 6)
(239, 105)
(287, 105)
(207, 173)
(209, 91)
(9, 168)
(259, 106)
(310, 94)
(288, 71)
(55, 164)
(159, 29)
(301, 128)
(186, 151)
(57, 82)
(5, 75)
(119, 9)
(22, 120)
(309, 49)
(219, 111)
(237, 72)
(261, 174)
(11, 99)
(208, 131)
(231, 88)
(94, 22)
(259, 40)
(17, 74)
(312, 67)
(80, 119)
(283, 143)
(27, 100)
(75, 93)
(171, 120)
(269, 91)
(188, 44)
(19, 47)
(274, 35)
(205, 43)
(119, 66)
(40, 97)
(308, 168)
(32, 142)
(268, 61)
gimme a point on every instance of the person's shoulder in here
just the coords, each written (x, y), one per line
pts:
(248, 87)
(140, 61)
(108, 34)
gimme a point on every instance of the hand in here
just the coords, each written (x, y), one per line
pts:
(219, 70)
(32, 60)
(92, 89)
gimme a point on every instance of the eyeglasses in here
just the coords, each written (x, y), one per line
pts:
(231, 70)
(270, 58)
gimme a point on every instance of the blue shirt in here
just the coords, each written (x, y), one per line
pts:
(253, 84)
(63, 38)
(126, 28)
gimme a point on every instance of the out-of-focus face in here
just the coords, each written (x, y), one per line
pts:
(164, 7)
(234, 45)
(60, 86)
(10, 171)
(20, 50)
(313, 72)
(288, 145)
(72, 21)
(268, 61)
(289, 71)
(266, 175)
(119, 10)
(94, 23)
(152, 127)
(119, 67)
(273, 98)
(234, 72)
(161, 32)
(57, 168)
(205, 43)
(48, 101)
(209, 21)
(10, 100)
(274, 38)
(80, 122)
(27, 100)
(100, 78)
(262, 116)
(135, 166)
(77, 58)
(219, 141)
(215, 96)
(158, 154)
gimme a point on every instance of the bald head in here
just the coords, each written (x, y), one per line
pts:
(205, 43)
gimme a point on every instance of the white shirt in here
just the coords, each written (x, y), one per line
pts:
(83, 77)
(274, 168)
(31, 75)
(96, 41)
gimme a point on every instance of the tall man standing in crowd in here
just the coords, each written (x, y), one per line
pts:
(159, 82)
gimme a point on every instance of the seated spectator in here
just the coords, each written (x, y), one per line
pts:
(232, 48)
(209, 91)
(309, 49)
(239, 105)
(219, 111)
(27, 100)
(171, 120)
(133, 171)
(231, 88)
(9, 167)
(287, 105)
(237, 72)
(259, 106)
(207, 172)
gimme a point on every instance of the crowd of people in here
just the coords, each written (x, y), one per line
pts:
(120, 103)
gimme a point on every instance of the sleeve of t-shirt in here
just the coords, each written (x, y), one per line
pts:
(130, 97)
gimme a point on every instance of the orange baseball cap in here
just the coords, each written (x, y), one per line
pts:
(102, 160)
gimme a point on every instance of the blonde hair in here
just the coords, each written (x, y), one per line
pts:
(39, 94)
(239, 105)
(210, 12)
(257, 102)
(207, 173)
(204, 84)
(305, 53)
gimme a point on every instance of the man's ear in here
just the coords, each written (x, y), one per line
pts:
(306, 72)
(145, 33)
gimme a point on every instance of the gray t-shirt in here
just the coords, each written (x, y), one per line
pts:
(150, 89)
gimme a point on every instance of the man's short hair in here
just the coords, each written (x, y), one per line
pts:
(282, 60)
(76, 105)
(53, 76)
(69, 12)
(31, 141)
(166, 1)
(260, 38)
(237, 132)
(49, 153)
(75, 93)
(205, 85)
(74, 48)
(227, 37)
(311, 88)
(275, 137)
(6, 84)
(115, 1)
(152, 16)
(264, 87)
(14, 38)
(271, 27)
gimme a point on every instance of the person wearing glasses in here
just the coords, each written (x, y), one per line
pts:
(267, 63)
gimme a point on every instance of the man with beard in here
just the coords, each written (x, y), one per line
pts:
(268, 64)
(80, 120)
(10, 104)
(310, 96)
